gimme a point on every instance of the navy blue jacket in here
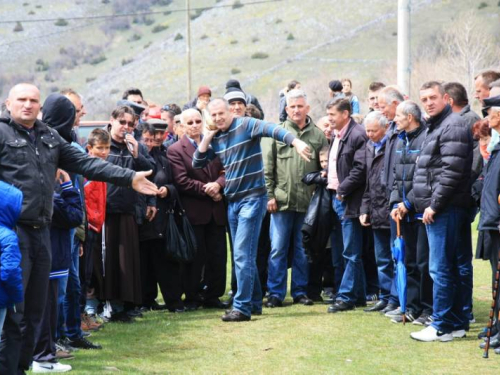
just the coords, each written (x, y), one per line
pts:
(490, 209)
(68, 214)
(11, 280)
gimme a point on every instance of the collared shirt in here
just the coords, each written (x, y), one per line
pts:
(378, 145)
(193, 142)
(333, 180)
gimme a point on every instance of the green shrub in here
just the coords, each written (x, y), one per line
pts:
(41, 66)
(159, 28)
(255, 39)
(126, 61)
(97, 60)
(178, 37)
(31, 12)
(279, 20)
(147, 45)
(234, 41)
(260, 55)
(90, 79)
(18, 27)
(290, 37)
(149, 21)
(114, 91)
(235, 71)
(134, 38)
(204, 36)
(237, 4)
(482, 5)
(61, 22)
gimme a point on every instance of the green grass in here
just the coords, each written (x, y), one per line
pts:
(292, 339)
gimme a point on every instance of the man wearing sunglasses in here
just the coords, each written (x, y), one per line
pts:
(201, 195)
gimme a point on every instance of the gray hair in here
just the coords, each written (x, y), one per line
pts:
(295, 94)
(391, 94)
(187, 112)
(409, 107)
(376, 116)
(495, 84)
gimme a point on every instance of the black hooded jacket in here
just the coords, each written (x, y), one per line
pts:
(443, 174)
(250, 99)
(59, 113)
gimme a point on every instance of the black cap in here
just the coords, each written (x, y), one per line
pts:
(158, 124)
(233, 83)
(335, 85)
(138, 108)
(494, 101)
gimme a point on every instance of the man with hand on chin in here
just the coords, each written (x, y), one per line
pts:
(237, 143)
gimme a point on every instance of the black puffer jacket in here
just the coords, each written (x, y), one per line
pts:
(32, 167)
(375, 202)
(490, 212)
(351, 168)
(390, 157)
(318, 221)
(443, 174)
(122, 200)
(408, 148)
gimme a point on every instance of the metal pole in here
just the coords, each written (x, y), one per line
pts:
(404, 57)
(188, 48)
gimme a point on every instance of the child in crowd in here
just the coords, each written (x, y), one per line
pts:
(11, 283)
(317, 229)
(68, 214)
(98, 146)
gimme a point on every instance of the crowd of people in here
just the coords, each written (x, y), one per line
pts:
(87, 228)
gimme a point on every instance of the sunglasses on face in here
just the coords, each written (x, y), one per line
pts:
(193, 122)
(130, 124)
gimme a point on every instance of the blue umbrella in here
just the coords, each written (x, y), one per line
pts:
(398, 251)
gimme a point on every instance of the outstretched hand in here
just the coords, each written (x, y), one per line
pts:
(142, 185)
(302, 149)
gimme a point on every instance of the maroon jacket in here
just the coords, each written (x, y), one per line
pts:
(189, 182)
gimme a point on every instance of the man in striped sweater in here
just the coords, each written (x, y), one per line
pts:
(237, 143)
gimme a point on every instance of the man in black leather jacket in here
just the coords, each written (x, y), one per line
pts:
(30, 153)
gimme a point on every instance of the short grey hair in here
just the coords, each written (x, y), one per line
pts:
(495, 84)
(391, 94)
(295, 94)
(187, 112)
(376, 116)
(409, 107)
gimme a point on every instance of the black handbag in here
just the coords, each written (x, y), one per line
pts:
(180, 239)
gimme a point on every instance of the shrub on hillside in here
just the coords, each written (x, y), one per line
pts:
(159, 28)
(260, 55)
(61, 22)
(18, 27)
(237, 4)
(178, 37)
(235, 71)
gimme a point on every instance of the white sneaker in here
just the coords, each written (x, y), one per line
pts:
(430, 334)
(394, 313)
(46, 367)
(458, 334)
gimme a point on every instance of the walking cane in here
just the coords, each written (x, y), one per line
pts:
(493, 304)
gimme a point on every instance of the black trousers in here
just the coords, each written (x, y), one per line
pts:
(205, 277)
(45, 346)
(22, 325)
(369, 262)
(419, 282)
(156, 270)
(86, 265)
(317, 273)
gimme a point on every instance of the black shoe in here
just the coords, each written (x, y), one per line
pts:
(121, 317)
(134, 313)
(83, 343)
(340, 306)
(214, 304)
(303, 300)
(235, 316)
(191, 306)
(360, 304)
(379, 306)
(155, 306)
(389, 307)
(483, 333)
(253, 312)
(494, 343)
(273, 302)
(315, 298)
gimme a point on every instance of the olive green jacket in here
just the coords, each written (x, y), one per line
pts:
(284, 168)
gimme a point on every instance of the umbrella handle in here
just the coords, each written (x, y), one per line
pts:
(398, 227)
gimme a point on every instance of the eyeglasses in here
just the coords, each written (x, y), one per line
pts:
(192, 122)
(130, 124)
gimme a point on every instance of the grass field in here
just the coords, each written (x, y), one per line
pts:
(292, 339)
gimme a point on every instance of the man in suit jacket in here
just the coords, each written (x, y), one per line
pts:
(201, 195)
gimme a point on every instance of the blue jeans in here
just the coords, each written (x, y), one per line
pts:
(352, 288)
(245, 219)
(72, 302)
(385, 264)
(61, 317)
(337, 250)
(3, 313)
(286, 226)
(450, 256)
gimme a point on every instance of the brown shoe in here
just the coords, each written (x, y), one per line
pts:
(62, 354)
(88, 324)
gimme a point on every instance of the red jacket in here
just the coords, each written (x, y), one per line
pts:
(95, 202)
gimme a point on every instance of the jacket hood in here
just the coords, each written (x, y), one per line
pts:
(59, 113)
(10, 204)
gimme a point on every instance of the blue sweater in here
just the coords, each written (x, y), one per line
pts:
(239, 151)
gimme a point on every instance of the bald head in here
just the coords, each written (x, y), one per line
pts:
(23, 104)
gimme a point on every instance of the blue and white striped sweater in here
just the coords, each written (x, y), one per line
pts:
(239, 151)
